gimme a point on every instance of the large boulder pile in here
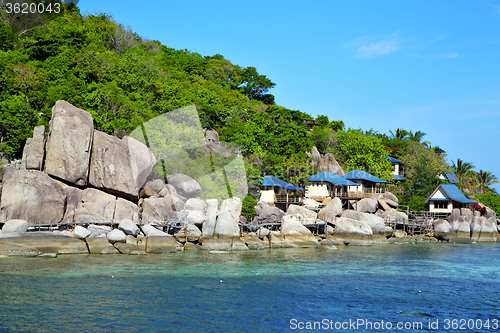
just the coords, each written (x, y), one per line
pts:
(223, 232)
(465, 226)
(88, 176)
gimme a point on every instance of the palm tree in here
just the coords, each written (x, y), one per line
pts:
(400, 134)
(484, 180)
(417, 136)
(371, 132)
(466, 176)
(461, 168)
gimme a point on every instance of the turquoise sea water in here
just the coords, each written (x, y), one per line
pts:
(278, 290)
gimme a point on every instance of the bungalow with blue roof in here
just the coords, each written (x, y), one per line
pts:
(327, 184)
(398, 169)
(367, 184)
(451, 177)
(279, 192)
(446, 197)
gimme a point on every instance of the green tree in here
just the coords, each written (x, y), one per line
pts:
(422, 168)
(461, 168)
(256, 86)
(417, 137)
(247, 209)
(399, 134)
(336, 125)
(417, 203)
(465, 174)
(485, 179)
(323, 120)
(357, 151)
(7, 37)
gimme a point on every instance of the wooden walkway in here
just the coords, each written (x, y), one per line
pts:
(418, 223)
(174, 223)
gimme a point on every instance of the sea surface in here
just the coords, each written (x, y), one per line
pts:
(390, 288)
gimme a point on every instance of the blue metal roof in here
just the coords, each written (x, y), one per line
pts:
(452, 178)
(452, 192)
(330, 177)
(273, 181)
(363, 175)
(393, 160)
(399, 177)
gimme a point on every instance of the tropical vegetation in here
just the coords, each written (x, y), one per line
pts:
(124, 80)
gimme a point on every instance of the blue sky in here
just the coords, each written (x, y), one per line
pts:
(430, 66)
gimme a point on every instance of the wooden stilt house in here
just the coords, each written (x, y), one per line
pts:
(280, 193)
(367, 184)
(327, 185)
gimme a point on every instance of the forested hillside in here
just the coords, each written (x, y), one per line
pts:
(124, 80)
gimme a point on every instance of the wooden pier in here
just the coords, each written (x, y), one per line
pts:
(418, 223)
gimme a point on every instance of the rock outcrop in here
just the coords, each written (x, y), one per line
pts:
(157, 209)
(266, 213)
(15, 226)
(310, 203)
(376, 223)
(116, 235)
(184, 185)
(125, 209)
(95, 206)
(325, 162)
(351, 232)
(295, 234)
(34, 152)
(367, 205)
(208, 227)
(227, 221)
(304, 215)
(443, 230)
(331, 210)
(128, 227)
(81, 232)
(32, 196)
(190, 233)
(225, 234)
(483, 229)
(69, 143)
(142, 160)
(460, 221)
(116, 166)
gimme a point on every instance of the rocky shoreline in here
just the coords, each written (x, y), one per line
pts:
(221, 231)
(93, 193)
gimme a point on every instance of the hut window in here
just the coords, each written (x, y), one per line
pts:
(440, 205)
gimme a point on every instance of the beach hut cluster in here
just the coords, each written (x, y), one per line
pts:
(353, 186)
(323, 186)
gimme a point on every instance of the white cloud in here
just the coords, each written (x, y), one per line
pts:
(373, 46)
